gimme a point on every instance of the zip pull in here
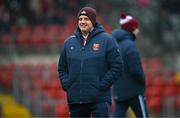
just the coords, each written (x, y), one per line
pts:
(84, 41)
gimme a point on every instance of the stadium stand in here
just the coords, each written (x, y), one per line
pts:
(32, 34)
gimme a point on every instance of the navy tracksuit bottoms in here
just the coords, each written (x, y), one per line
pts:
(137, 104)
(88, 110)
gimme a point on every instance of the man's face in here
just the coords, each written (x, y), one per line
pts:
(136, 32)
(85, 24)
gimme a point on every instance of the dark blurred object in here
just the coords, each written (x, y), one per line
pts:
(172, 6)
(4, 20)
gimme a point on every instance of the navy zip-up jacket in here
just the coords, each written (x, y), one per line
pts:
(132, 83)
(87, 72)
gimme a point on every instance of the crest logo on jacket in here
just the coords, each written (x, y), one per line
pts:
(96, 46)
(71, 47)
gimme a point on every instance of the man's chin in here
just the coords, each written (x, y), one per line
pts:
(84, 30)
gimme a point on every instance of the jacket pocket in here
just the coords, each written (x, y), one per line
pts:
(93, 82)
(72, 80)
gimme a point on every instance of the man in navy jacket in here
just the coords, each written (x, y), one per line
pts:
(89, 64)
(130, 88)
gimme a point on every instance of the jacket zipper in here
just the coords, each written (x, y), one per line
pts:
(82, 59)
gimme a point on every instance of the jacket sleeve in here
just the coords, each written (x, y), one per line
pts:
(115, 64)
(63, 69)
(134, 64)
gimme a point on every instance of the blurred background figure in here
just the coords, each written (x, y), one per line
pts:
(129, 90)
(31, 32)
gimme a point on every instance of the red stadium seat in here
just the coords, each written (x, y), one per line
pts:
(55, 84)
(61, 94)
(177, 103)
(23, 37)
(6, 75)
(13, 29)
(61, 110)
(52, 34)
(53, 90)
(47, 109)
(170, 89)
(68, 30)
(53, 71)
(152, 66)
(157, 87)
(155, 104)
(38, 36)
(6, 39)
